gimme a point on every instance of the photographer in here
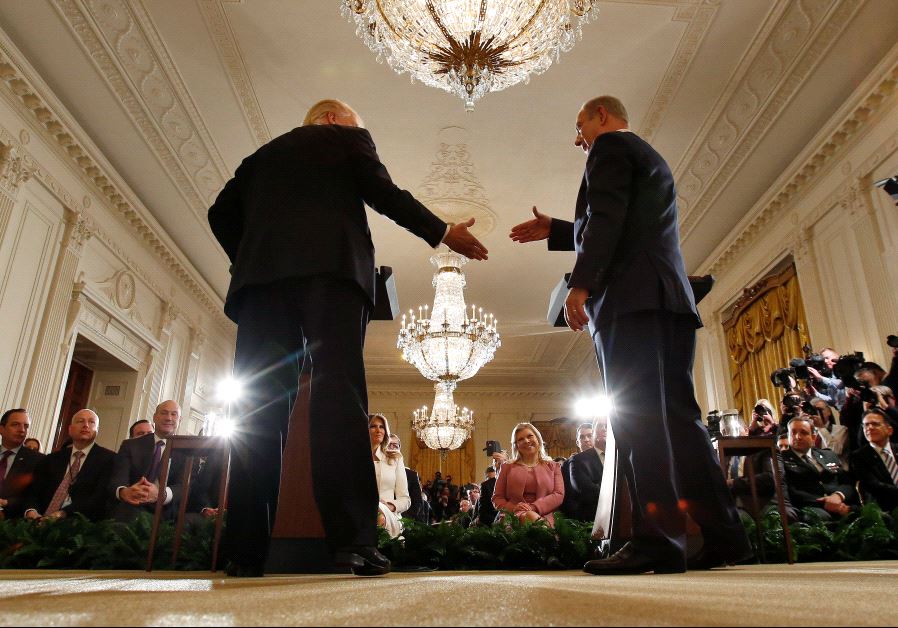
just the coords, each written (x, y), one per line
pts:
(763, 419)
(826, 385)
(831, 434)
(790, 407)
(859, 383)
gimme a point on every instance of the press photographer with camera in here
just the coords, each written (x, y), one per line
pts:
(823, 384)
(831, 434)
(891, 380)
(763, 419)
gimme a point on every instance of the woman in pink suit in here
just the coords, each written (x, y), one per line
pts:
(529, 485)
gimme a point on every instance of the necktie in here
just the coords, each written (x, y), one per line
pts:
(153, 473)
(890, 465)
(4, 464)
(62, 491)
(814, 463)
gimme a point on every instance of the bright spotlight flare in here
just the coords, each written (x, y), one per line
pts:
(230, 390)
(592, 407)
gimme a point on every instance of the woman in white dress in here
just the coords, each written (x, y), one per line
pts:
(392, 485)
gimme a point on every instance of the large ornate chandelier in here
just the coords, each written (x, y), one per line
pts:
(447, 426)
(469, 47)
(447, 344)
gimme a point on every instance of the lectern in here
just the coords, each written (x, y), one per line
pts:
(297, 542)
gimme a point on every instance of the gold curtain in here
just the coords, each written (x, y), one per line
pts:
(460, 463)
(560, 438)
(766, 329)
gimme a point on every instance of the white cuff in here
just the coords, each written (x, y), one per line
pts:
(448, 227)
(168, 496)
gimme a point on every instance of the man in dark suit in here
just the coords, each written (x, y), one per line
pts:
(629, 285)
(874, 464)
(293, 223)
(415, 511)
(17, 462)
(814, 477)
(586, 474)
(75, 478)
(134, 485)
(570, 507)
(485, 513)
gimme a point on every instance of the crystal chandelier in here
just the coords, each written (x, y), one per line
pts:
(447, 426)
(469, 47)
(453, 343)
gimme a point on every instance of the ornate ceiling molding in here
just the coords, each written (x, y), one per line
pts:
(23, 89)
(795, 38)
(130, 56)
(229, 52)
(877, 95)
(699, 14)
(452, 188)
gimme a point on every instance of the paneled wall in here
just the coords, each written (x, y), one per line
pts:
(842, 231)
(83, 263)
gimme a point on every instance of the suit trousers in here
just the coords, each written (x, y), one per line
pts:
(320, 320)
(663, 447)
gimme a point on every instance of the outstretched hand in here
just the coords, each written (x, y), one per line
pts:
(460, 240)
(535, 229)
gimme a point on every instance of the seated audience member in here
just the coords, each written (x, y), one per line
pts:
(763, 419)
(414, 485)
(33, 444)
(586, 474)
(814, 477)
(140, 428)
(134, 486)
(529, 486)
(762, 462)
(874, 464)
(782, 440)
(389, 470)
(17, 462)
(73, 479)
(484, 511)
(869, 375)
(444, 507)
(831, 434)
(569, 507)
(474, 495)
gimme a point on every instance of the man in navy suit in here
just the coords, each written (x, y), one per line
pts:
(629, 286)
(874, 465)
(293, 223)
(73, 479)
(17, 462)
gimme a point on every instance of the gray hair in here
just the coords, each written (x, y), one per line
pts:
(611, 104)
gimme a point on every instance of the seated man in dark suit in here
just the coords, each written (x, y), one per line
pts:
(135, 477)
(416, 510)
(764, 482)
(874, 464)
(73, 479)
(586, 474)
(17, 462)
(815, 477)
(570, 507)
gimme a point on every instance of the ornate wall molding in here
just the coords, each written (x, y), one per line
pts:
(129, 55)
(699, 14)
(229, 52)
(770, 75)
(19, 86)
(14, 171)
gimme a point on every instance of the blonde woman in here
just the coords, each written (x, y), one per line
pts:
(529, 485)
(392, 484)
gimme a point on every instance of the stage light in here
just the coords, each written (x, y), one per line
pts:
(591, 407)
(225, 428)
(230, 390)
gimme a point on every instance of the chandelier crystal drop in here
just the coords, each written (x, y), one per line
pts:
(447, 426)
(469, 47)
(451, 342)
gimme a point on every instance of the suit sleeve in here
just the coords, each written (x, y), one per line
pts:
(414, 493)
(581, 480)
(500, 499)
(226, 214)
(561, 235)
(33, 496)
(384, 197)
(550, 503)
(609, 175)
(400, 489)
(861, 464)
(121, 470)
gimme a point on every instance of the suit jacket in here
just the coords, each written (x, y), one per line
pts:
(625, 232)
(296, 208)
(415, 511)
(869, 469)
(569, 505)
(87, 491)
(484, 511)
(512, 479)
(586, 483)
(19, 476)
(133, 461)
(806, 484)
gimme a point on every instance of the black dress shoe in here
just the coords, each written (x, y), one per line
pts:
(710, 557)
(628, 561)
(364, 560)
(240, 570)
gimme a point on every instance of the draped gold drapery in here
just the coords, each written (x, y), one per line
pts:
(460, 463)
(765, 330)
(560, 438)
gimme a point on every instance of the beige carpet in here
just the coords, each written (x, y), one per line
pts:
(823, 594)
